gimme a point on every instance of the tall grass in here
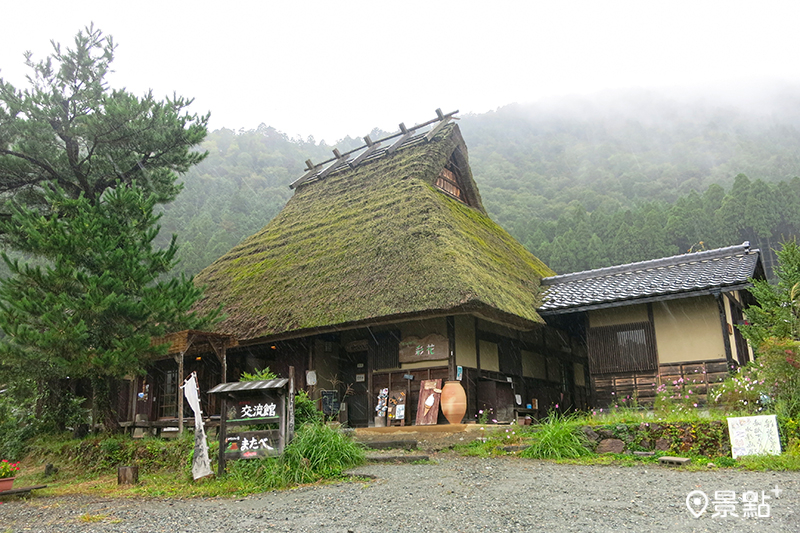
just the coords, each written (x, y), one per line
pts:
(557, 437)
(319, 451)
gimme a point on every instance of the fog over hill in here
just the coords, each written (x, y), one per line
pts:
(583, 182)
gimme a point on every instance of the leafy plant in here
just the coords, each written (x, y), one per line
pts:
(8, 469)
(305, 410)
(319, 451)
(557, 437)
(265, 374)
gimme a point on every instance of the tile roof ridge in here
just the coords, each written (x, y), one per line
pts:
(693, 257)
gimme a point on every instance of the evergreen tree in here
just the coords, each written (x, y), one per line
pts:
(83, 166)
(91, 310)
(71, 129)
(778, 311)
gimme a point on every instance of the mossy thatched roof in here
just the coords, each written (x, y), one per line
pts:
(375, 243)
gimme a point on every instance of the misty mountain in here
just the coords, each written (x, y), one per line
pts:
(582, 182)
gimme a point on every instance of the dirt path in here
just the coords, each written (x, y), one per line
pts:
(455, 494)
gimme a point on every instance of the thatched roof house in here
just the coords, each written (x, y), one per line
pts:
(380, 241)
(384, 271)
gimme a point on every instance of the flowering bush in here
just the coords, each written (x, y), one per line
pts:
(677, 396)
(8, 469)
(743, 391)
(779, 365)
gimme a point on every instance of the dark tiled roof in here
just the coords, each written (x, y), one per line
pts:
(687, 273)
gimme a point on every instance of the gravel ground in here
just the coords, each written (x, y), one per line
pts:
(455, 494)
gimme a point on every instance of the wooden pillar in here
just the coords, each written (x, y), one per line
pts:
(290, 407)
(477, 349)
(723, 318)
(451, 341)
(223, 435)
(180, 394)
(225, 362)
(282, 423)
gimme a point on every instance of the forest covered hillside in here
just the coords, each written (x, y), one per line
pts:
(582, 183)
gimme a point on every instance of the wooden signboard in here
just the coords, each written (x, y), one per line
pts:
(430, 348)
(330, 402)
(260, 410)
(430, 392)
(265, 403)
(396, 410)
(252, 444)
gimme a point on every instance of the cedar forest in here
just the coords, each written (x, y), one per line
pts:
(581, 183)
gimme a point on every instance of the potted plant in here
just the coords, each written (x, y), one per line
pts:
(7, 473)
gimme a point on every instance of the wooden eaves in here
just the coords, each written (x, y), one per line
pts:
(189, 341)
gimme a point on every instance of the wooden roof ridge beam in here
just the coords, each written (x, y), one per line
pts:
(371, 146)
(311, 169)
(405, 134)
(443, 121)
(370, 149)
(340, 159)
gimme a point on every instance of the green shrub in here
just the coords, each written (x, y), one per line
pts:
(305, 410)
(264, 374)
(318, 451)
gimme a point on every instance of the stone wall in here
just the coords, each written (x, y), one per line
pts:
(704, 438)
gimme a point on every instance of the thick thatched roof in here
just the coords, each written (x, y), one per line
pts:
(376, 243)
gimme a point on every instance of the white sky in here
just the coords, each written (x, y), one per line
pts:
(335, 68)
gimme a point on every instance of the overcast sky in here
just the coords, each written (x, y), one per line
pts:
(331, 69)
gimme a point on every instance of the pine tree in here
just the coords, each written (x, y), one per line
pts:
(70, 128)
(91, 309)
(83, 166)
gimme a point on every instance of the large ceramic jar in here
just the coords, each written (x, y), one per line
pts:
(453, 402)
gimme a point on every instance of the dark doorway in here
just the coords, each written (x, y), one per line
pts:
(354, 375)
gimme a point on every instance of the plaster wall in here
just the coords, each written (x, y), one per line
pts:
(465, 341)
(490, 359)
(688, 330)
(424, 327)
(615, 316)
(533, 365)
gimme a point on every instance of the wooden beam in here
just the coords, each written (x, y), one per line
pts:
(304, 178)
(180, 382)
(406, 133)
(365, 154)
(330, 168)
(436, 129)
(723, 319)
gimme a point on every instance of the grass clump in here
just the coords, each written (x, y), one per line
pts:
(557, 437)
(319, 451)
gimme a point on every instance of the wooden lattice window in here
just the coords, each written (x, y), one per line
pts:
(168, 394)
(386, 353)
(622, 348)
(448, 182)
